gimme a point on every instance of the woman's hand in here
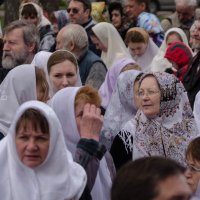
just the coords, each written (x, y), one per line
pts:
(91, 122)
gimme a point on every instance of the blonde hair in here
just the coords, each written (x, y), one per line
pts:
(41, 82)
(87, 94)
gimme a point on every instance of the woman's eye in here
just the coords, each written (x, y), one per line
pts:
(58, 75)
(23, 137)
(70, 75)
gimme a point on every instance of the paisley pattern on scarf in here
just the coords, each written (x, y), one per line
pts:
(169, 133)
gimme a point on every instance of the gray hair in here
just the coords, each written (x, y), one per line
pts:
(186, 2)
(77, 35)
(30, 32)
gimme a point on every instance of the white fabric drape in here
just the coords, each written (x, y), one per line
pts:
(110, 37)
(57, 178)
(63, 105)
(18, 87)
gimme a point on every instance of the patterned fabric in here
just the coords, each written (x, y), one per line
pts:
(169, 133)
(62, 18)
(121, 107)
(151, 24)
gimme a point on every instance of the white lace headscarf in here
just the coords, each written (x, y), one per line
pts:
(121, 107)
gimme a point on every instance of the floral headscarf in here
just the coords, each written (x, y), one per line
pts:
(169, 133)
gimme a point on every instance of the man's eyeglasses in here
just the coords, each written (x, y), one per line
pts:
(192, 168)
(149, 93)
(74, 10)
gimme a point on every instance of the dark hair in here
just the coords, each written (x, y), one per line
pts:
(115, 6)
(138, 179)
(86, 4)
(146, 2)
(29, 10)
(30, 32)
(38, 120)
(193, 149)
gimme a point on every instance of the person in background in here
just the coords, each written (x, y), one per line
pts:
(180, 56)
(33, 13)
(34, 156)
(183, 17)
(80, 13)
(23, 83)
(141, 47)
(106, 89)
(20, 44)
(138, 13)
(122, 107)
(193, 167)
(192, 75)
(59, 19)
(159, 63)
(117, 18)
(151, 178)
(92, 69)
(104, 35)
(63, 71)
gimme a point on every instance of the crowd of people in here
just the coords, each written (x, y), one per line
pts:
(102, 110)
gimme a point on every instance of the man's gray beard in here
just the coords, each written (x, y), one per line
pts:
(9, 60)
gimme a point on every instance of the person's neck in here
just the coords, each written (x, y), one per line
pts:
(29, 58)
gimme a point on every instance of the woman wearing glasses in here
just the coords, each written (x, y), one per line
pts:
(164, 123)
(193, 167)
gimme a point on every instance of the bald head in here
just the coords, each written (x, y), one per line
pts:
(72, 37)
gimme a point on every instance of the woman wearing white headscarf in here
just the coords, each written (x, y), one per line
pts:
(33, 13)
(69, 112)
(159, 63)
(55, 176)
(63, 71)
(19, 86)
(122, 106)
(107, 87)
(107, 39)
(164, 125)
(141, 47)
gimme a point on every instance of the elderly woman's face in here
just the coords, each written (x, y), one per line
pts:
(32, 145)
(149, 94)
(63, 75)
